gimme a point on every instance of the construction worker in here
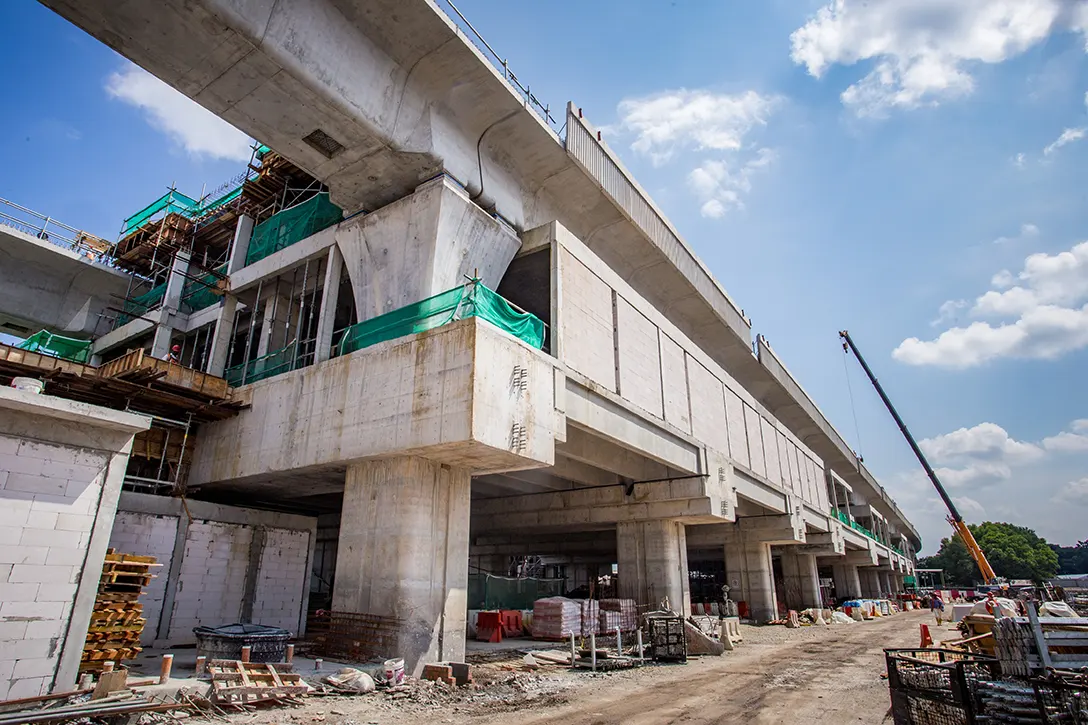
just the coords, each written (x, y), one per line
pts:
(175, 355)
(937, 605)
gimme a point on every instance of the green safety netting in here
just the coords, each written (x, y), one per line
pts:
(274, 363)
(469, 300)
(175, 201)
(292, 225)
(171, 201)
(200, 293)
(486, 591)
(137, 306)
(58, 346)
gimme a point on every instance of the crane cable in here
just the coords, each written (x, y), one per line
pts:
(853, 408)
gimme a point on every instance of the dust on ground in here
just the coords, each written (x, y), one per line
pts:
(829, 674)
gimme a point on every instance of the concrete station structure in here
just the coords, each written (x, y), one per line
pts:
(650, 432)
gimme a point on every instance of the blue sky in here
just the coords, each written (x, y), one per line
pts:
(912, 171)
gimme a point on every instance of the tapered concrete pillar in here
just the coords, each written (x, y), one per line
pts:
(277, 328)
(423, 244)
(800, 580)
(884, 579)
(326, 319)
(750, 575)
(847, 581)
(403, 554)
(653, 564)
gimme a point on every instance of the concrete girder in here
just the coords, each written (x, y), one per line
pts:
(832, 540)
(862, 558)
(684, 499)
(774, 529)
(584, 447)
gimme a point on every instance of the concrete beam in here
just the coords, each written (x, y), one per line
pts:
(584, 447)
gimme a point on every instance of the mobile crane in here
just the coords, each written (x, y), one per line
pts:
(954, 517)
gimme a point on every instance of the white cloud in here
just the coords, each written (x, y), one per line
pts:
(923, 51)
(1027, 231)
(1068, 136)
(948, 312)
(713, 125)
(1047, 302)
(1074, 492)
(969, 507)
(720, 186)
(194, 128)
(704, 120)
(1019, 160)
(1074, 440)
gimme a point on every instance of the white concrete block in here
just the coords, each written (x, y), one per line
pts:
(33, 483)
(57, 592)
(18, 592)
(42, 520)
(18, 554)
(15, 629)
(29, 649)
(46, 628)
(74, 522)
(43, 574)
(50, 538)
(34, 667)
(28, 687)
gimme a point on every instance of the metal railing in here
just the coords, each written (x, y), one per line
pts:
(531, 101)
(56, 233)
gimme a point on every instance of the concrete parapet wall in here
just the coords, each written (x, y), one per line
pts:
(610, 334)
(465, 394)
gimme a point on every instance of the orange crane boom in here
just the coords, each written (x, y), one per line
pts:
(954, 517)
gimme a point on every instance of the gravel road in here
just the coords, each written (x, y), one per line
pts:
(787, 677)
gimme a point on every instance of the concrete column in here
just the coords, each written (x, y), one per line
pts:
(221, 336)
(801, 580)
(653, 563)
(847, 581)
(884, 578)
(326, 318)
(870, 584)
(171, 301)
(403, 554)
(276, 328)
(239, 246)
(750, 575)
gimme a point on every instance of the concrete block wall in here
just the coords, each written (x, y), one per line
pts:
(50, 500)
(212, 580)
(227, 564)
(283, 565)
(612, 336)
(148, 535)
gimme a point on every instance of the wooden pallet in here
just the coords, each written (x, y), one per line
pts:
(117, 620)
(237, 682)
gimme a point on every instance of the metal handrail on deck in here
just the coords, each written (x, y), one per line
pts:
(56, 233)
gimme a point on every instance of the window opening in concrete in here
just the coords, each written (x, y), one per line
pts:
(528, 285)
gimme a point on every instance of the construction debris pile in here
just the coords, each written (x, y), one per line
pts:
(117, 620)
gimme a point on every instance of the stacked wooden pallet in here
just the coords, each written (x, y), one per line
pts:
(117, 620)
(237, 683)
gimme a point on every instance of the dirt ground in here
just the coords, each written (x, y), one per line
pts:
(788, 677)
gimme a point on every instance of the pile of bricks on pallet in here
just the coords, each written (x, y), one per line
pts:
(451, 673)
(620, 613)
(117, 620)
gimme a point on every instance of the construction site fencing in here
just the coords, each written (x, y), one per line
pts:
(48, 343)
(469, 300)
(292, 225)
(487, 591)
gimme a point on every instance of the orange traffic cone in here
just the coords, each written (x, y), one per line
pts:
(927, 640)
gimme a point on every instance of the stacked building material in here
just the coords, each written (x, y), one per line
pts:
(556, 618)
(628, 613)
(590, 616)
(1030, 645)
(117, 620)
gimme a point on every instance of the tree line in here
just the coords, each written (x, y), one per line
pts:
(1014, 552)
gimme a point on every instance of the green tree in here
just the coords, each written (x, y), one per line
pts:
(1015, 552)
(1072, 559)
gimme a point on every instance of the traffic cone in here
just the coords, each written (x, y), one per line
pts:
(927, 640)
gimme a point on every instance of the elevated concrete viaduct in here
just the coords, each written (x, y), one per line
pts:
(644, 431)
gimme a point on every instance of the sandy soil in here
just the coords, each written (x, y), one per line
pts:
(787, 677)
